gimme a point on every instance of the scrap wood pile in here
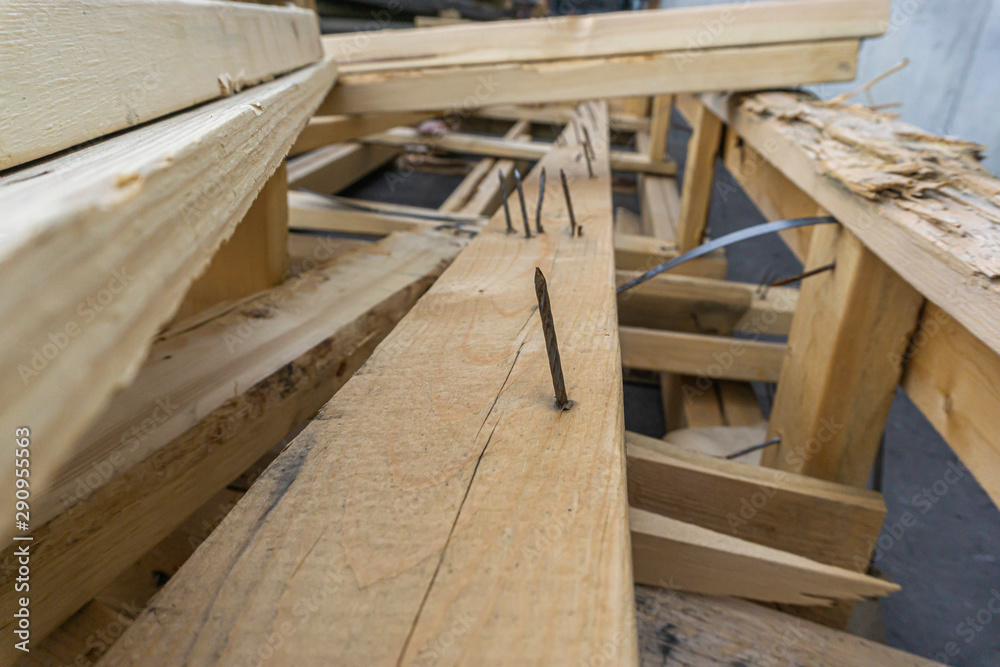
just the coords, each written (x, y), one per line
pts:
(269, 424)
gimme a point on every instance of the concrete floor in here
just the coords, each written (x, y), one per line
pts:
(941, 540)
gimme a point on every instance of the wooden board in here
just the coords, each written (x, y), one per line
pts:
(326, 130)
(943, 244)
(673, 554)
(422, 499)
(620, 33)
(826, 522)
(330, 169)
(119, 231)
(703, 631)
(77, 71)
(703, 355)
(746, 68)
(214, 397)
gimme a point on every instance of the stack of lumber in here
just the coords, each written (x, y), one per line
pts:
(347, 405)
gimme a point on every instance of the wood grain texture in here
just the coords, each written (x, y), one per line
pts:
(716, 357)
(699, 178)
(841, 369)
(73, 72)
(673, 554)
(746, 68)
(699, 631)
(123, 228)
(214, 396)
(826, 522)
(944, 245)
(424, 498)
(612, 34)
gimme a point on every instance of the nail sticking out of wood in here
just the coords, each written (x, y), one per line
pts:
(524, 207)
(802, 276)
(551, 344)
(569, 203)
(754, 448)
(503, 198)
(538, 209)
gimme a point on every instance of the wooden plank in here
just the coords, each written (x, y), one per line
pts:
(682, 556)
(332, 168)
(123, 228)
(699, 179)
(776, 197)
(659, 126)
(695, 354)
(955, 381)
(659, 199)
(474, 144)
(747, 68)
(122, 77)
(425, 528)
(327, 130)
(253, 259)
(612, 34)
(312, 212)
(554, 114)
(635, 252)
(928, 241)
(823, 521)
(210, 401)
(722, 632)
(461, 195)
(840, 371)
(705, 305)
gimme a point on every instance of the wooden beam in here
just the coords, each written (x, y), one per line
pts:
(840, 371)
(695, 354)
(746, 68)
(458, 142)
(210, 401)
(253, 259)
(137, 218)
(928, 242)
(823, 521)
(553, 114)
(705, 305)
(682, 556)
(125, 80)
(954, 379)
(722, 632)
(327, 130)
(330, 169)
(659, 126)
(699, 179)
(635, 252)
(609, 35)
(283, 353)
(404, 538)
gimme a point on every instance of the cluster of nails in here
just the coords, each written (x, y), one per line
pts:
(575, 229)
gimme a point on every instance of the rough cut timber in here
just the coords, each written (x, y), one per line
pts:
(464, 88)
(922, 203)
(74, 71)
(441, 491)
(326, 130)
(702, 355)
(213, 397)
(706, 631)
(673, 554)
(119, 231)
(615, 34)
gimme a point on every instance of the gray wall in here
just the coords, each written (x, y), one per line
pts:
(952, 85)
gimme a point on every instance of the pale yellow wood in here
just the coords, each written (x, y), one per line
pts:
(843, 157)
(955, 381)
(213, 397)
(826, 522)
(508, 148)
(417, 497)
(254, 258)
(659, 126)
(135, 60)
(699, 179)
(705, 305)
(326, 130)
(461, 195)
(312, 212)
(330, 169)
(717, 357)
(723, 632)
(612, 34)
(673, 554)
(747, 68)
(120, 230)
(636, 252)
